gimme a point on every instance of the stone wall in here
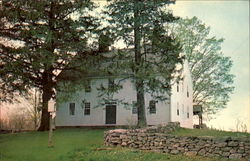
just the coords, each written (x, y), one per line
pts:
(151, 139)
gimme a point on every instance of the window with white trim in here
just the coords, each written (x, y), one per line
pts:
(72, 109)
(177, 85)
(152, 107)
(87, 108)
(88, 86)
(178, 110)
(134, 107)
(111, 83)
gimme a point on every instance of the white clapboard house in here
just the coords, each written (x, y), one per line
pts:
(83, 108)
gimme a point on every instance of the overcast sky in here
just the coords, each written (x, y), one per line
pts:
(229, 20)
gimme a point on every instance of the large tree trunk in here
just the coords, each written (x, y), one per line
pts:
(47, 93)
(44, 126)
(141, 115)
(48, 75)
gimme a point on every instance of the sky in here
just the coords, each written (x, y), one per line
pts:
(228, 20)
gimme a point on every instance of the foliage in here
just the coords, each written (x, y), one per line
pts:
(212, 80)
(240, 126)
(142, 25)
(34, 111)
(75, 144)
(25, 115)
(40, 39)
(18, 120)
(208, 132)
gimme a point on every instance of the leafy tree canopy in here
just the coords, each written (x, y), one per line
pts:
(212, 80)
(50, 34)
(143, 26)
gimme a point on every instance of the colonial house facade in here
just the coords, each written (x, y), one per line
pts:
(84, 107)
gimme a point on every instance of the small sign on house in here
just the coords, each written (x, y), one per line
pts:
(51, 105)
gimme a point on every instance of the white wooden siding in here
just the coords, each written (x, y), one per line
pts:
(97, 114)
(124, 115)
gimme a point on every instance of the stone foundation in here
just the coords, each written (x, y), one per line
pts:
(156, 139)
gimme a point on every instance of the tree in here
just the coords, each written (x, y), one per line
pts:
(142, 25)
(36, 106)
(45, 37)
(212, 81)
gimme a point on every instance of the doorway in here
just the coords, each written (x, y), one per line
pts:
(110, 114)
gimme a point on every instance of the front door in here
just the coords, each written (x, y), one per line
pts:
(110, 114)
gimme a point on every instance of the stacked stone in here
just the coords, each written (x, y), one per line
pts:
(149, 139)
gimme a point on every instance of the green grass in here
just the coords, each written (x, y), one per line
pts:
(32, 146)
(75, 145)
(208, 132)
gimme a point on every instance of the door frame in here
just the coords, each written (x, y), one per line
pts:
(111, 103)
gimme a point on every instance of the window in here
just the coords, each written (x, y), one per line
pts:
(88, 86)
(178, 111)
(152, 107)
(177, 86)
(72, 109)
(87, 108)
(187, 92)
(188, 112)
(134, 107)
(111, 83)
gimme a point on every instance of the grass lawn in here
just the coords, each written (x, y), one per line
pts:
(75, 145)
(208, 132)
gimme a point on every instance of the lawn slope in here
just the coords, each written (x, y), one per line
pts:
(75, 145)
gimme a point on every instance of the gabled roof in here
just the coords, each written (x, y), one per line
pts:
(103, 64)
(95, 64)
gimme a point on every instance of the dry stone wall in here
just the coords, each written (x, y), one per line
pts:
(151, 139)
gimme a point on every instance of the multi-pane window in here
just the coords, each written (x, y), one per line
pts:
(88, 86)
(187, 112)
(134, 107)
(152, 107)
(178, 111)
(111, 83)
(87, 108)
(177, 86)
(72, 109)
